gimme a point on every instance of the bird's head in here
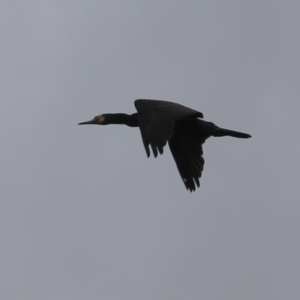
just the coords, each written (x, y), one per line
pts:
(98, 120)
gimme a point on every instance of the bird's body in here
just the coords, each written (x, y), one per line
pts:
(163, 122)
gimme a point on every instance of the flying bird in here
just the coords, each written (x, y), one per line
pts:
(183, 128)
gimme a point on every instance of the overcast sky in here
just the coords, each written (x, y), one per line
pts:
(84, 214)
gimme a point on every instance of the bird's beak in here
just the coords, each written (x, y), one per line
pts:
(93, 121)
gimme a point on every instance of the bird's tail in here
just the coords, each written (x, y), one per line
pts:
(226, 132)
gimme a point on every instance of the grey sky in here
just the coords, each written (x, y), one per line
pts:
(84, 214)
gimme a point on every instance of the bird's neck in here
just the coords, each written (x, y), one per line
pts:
(124, 119)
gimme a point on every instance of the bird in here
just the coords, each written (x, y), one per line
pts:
(183, 128)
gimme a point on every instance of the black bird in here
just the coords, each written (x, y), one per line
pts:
(182, 127)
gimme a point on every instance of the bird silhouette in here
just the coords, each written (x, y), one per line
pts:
(183, 128)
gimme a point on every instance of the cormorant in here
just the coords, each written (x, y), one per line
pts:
(182, 127)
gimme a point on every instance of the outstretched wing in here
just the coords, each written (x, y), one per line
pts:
(156, 120)
(187, 152)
